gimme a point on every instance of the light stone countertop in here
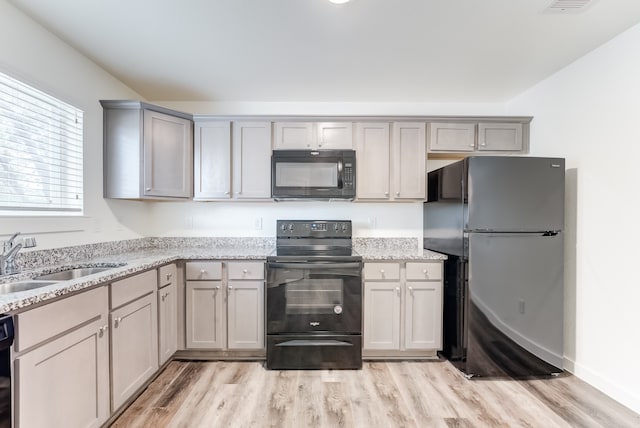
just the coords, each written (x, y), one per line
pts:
(149, 253)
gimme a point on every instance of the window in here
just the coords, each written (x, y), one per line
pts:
(40, 152)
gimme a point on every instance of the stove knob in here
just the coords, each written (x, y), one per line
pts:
(290, 227)
(283, 227)
(335, 226)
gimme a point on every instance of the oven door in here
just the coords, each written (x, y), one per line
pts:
(304, 297)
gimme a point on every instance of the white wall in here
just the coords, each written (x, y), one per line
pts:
(259, 218)
(589, 113)
(32, 54)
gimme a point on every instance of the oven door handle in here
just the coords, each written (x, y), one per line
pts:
(314, 343)
(317, 265)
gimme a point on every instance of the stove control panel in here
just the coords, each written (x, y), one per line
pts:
(313, 228)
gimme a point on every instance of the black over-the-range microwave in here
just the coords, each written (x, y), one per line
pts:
(318, 174)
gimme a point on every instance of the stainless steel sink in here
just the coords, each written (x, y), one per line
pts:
(14, 287)
(74, 273)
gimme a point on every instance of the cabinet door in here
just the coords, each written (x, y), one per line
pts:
(205, 315)
(409, 159)
(212, 160)
(65, 383)
(293, 136)
(381, 315)
(134, 347)
(245, 314)
(168, 155)
(252, 160)
(373, 153)
(423, 315)
(452, 137)
(500, 137)
(167, 322)
(334, 135)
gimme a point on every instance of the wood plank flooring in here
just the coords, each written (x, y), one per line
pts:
(382, 394)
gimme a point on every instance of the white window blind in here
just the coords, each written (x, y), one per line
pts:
(40, 151)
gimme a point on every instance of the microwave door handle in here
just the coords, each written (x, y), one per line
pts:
(340, 172)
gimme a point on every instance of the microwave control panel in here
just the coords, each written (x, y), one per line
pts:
(348, 175)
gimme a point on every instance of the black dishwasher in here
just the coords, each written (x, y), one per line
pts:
(6, 340)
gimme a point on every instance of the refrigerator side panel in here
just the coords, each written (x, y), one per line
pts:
(515, 194)
(516, 294)
(443, 213)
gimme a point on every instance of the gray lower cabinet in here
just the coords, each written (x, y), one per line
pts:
(402, 308)
(167, 313)
(148, 151)
(226, 309)
(63, 382)
(134, 335)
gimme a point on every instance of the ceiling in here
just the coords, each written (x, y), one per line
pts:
(315, 51)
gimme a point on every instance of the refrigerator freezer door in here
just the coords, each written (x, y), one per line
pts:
(515, 194)
(516, 297)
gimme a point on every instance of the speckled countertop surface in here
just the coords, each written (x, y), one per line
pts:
(148, 253)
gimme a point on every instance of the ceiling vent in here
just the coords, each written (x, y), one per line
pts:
(568, 6)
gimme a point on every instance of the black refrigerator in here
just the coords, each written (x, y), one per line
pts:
(500, 221)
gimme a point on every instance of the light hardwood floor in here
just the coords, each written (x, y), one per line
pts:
(382, 394)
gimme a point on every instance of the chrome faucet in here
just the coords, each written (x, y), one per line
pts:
(9, 252)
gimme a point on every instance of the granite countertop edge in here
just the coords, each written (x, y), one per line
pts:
(145, 259)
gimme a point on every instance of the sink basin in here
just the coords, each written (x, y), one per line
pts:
(74, 273)
(14, 287)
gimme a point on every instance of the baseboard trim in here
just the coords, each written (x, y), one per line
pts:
(624, 396)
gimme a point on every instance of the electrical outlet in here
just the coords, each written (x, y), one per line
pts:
(257, 223)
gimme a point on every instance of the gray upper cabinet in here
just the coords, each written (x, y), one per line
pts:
(212, 160)
(500, 137)
(312, 135)
(479, 135)
(148, 151)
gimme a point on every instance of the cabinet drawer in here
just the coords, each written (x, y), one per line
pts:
(204, 270)
(246, 270)
(167, 275)
(131, 288)
(381, 271)
(39, 324)
(424, 271)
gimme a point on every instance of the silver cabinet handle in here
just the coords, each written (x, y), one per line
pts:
(169, 275)
(398, 290)
(116, 322)
(245, 271)
(397, 193)
(226, 193)
(148, 189)
(102, 330)
(386, 193)
(411, 290)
